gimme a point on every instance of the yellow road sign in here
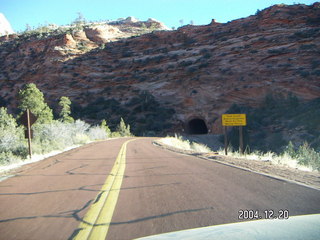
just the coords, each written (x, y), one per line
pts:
(234, 120)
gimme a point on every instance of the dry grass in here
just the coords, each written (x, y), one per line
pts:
(284, 159)
(182, 144)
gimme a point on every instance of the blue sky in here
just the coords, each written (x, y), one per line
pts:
(170, 12)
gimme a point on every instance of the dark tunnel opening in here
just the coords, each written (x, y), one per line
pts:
(197, 126)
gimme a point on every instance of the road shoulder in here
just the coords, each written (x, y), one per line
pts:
(308, 179)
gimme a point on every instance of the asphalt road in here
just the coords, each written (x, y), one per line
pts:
(143, 189)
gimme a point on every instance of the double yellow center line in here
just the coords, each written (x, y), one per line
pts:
(97, 220)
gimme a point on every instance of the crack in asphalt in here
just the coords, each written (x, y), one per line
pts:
(76, 231)
(73, 214)
(86, 188)
(73, 169)
(56, 161)
(161, 215)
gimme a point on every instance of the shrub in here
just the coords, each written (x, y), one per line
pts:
(48, 134)
(207, 55)
(180, 143)
(106, 128)
(308, 156)
(156, 70)
(316, 73)
(309, 33)
(123, 129)
(303, 73)
(58, 135)
(279, 51)
(313, 21)
(305, 155)
(7, 157)
(308, 46)
(192, 69)
(185, 63)
(97, 133)
(12, 143)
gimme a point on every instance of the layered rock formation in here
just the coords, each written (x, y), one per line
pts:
(195, 72)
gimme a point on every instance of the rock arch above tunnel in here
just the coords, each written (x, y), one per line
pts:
(197, 126)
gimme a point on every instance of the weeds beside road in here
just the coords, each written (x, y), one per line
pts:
(280, 166)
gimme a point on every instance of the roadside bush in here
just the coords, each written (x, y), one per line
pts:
(305, 155)
(97, 133)
(180, 143)
(49, 134)
(123, 129)
(59, 135)
(12, 145)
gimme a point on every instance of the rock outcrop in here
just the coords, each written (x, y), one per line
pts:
(195, 72)
(102, 34)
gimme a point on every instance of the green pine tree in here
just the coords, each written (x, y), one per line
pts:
(123, 129)
(105, 127)
(32, 98)
(65, 103)
(6, 120)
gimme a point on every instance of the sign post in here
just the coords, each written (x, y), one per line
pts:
(225, 140)
(233, 120)
(240, 139)
(27, 119)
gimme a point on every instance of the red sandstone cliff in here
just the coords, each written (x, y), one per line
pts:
(199, 71)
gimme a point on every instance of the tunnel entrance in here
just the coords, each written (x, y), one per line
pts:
(197, 126)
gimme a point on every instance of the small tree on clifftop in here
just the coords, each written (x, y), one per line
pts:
(79, 21)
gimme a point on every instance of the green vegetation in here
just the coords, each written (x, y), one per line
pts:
(46, 30)
(11, 138)
(78, 24)
(304, 158)
(79, 21)
(65, 110)
(305, 155)
(123, 129)
(282, 125)
(143, 112)
(147, 116)
(49, 134)
(105, 127)
(32, 98)
(186, 145)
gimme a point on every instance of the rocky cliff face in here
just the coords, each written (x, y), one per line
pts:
(163, 80)
(5, 27)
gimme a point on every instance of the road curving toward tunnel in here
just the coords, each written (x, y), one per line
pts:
(128, 188)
